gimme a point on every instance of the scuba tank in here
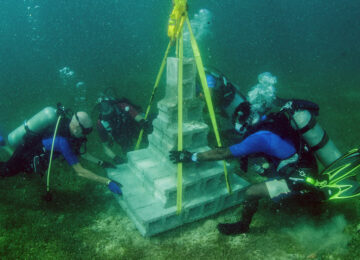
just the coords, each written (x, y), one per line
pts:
(312, 133)
(34, 125)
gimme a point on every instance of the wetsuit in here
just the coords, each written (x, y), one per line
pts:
(265, 142)
(120, 125)
(33, 155)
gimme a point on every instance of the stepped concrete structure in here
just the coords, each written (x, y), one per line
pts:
(149, 178)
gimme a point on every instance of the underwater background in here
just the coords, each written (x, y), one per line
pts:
(311, 46)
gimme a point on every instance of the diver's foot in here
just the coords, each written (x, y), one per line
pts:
(233, 228)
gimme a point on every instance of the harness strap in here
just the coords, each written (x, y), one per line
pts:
(28, 130)
(321, 144)
(309, 126)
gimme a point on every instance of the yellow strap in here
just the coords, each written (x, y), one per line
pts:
(177, 48)
(51, 155)
(180, 124)
(176, 19)
(157, 81)
(207, 95)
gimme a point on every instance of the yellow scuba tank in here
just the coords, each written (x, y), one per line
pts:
(35, 125)
(315, 136)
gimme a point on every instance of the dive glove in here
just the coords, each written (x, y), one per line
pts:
(180, 156)
(115, 187)
(105, 164)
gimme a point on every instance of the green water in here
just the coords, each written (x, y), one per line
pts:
(311, 46)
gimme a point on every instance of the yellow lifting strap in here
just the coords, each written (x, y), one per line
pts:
(51, 155)
(207, 95)
(180, 124)
(157, 81)
(177, 18)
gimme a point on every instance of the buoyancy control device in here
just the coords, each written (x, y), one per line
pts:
(35, 125)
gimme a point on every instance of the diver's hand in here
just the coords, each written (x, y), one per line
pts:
(118, 160)
(115, 187)
(180, 156)
(105, 164)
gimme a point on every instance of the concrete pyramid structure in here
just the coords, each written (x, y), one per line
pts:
(149, 178)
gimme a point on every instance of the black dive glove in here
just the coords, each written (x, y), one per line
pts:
(118, 160)
(105, 164)
(180, 156)
(115, 187)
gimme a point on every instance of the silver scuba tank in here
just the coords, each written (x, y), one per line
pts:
(315, 136)
(36, 124)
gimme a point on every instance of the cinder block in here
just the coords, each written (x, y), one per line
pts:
(194, 212)
(210, 207)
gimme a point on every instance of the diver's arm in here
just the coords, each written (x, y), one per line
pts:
(85, 173)
(89, 157)
(108, 151)
(214, 155)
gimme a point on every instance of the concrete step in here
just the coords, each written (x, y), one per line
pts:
(151, 217)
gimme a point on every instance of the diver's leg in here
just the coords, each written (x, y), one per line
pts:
(252, 196)
(16, 163)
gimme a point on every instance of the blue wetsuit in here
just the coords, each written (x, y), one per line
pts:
(61, 146)
(264, 142)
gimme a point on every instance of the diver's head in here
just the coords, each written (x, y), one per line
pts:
(211, 81)
(241, 117)
(80, 124)
(106, 109)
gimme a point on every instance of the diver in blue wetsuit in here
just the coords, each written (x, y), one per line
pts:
(272, 138)
(32, 155)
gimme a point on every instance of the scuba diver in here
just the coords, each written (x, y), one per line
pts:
(287, 141)
(278, 143)
(119, 121)
(34, 140)
(226, 95)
